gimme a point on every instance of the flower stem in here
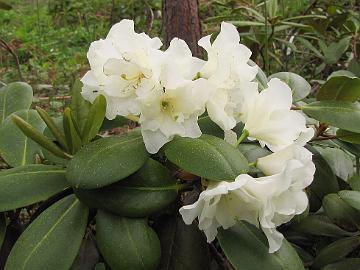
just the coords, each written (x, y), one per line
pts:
(243, 136)
(296, 108)
(252, 164)
(184, 187)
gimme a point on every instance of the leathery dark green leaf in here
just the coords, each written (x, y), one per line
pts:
(15, 147)
(341, 114)
(53, 239)
(246, 247)
(340, 88)
(208, 156)
(29, 184)
(127, 244)
(351, 197)
(321, 226)
(14, 97)
(182, 246)
(341, 213)
(106, 161)
(146, 192)
(325, 181)
(346, 264)
(336, 251)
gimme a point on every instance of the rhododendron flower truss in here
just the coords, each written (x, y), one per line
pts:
(167, 91)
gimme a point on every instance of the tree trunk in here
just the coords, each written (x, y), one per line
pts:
(181, 19)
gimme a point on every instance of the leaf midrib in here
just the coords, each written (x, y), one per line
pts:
(106, 149)
(134, 244)
(30, 173)
(48, 233)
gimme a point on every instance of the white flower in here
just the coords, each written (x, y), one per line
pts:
(122, 64)
(270, 120)
(276, 162)
(228, 70)
(173, 107)
(265, 202)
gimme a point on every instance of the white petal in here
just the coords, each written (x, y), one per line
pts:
(216, 110)
(276, 162)
(154, 140)
(275, 239)
(230, 137)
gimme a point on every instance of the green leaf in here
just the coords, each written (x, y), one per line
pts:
(246, 23)
(351, 197)
(348, 264)
(72, 131)
(207, 126)
(29, 184)
(325, 181)
(208, 157)
(94, 119)
(336, 251)
(354, 67)
(272, 8)
(351, 148)
(144, 193)
(38, 137)
(348, 136)
(53, 127)
(341, 73)
(2, 228)
(246, 247)
(106, 161)
(320, 226)
(354, 182)
(253, 151)
(15, 147)
(79, 106)
(182, 246)
(127, 244)
(309, 46)
(52, 240)
(335, 50)
(14, 97)
(299, 86)
(340, 212)
(340, 161)
(47, 154)
(340, 88)
(341, 114)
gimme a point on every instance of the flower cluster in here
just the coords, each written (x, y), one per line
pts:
(168, 90)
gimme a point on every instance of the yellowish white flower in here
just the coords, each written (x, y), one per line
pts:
(122, 64)
(172, 108)
(227, 69)
(270, 120)
(265, 202)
